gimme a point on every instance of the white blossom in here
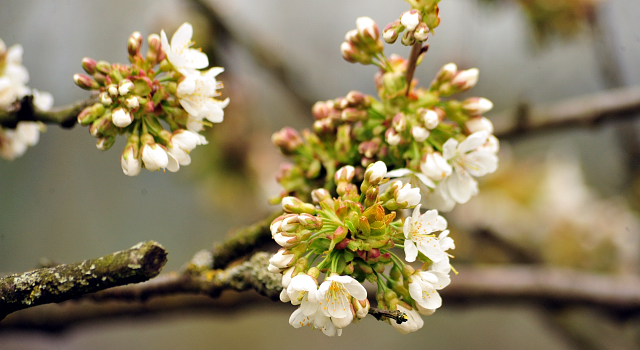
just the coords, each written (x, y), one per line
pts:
(410, 20)
(414, 322)
(424, 286)
(155, 157)
(121, 117)
(179, 53)
(408, 196)
(130, 164)
(419, 235)
(303, 291)
(468, 160)
(196, 95)
(419, 133)
(335, 295)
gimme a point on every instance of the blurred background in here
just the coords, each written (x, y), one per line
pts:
(561, 198)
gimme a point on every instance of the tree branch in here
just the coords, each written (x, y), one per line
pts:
(549, 286)
(63, 282)
(242, 242)
(25, 110)
(589, 110)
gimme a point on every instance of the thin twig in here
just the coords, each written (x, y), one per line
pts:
(416, 50)
(25, 110)
(63, 282)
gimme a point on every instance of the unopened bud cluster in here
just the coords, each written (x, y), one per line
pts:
(351, 239)
(163, 85)
(437, 143)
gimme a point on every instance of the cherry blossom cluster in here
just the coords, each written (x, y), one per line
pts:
(164, 86)
(427, 138)
(351, 239)
(13, 79)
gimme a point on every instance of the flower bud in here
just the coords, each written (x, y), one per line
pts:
(430, 119)
(281, 260)
(130, 161)
(85, 82)
(410, 19)
(345, 174)
(89, 65)
(375, 173)
(476, 106)
(121, 117)
(399, 122)
(419, 133)
(101, 126)
(105, 99)
(103, 67)
(465, 79)
(104, 143)
(132, 102)
(113, 90)
(294, 205)
(155, 49)
(408, 39)
(320, 195)
(310, 222)
(422, 32)
(391, 31)
(361, 307)
(320, 110)
(287, 139)
(349, 52)
(134, 43)
(479, 123)
(353, 114)
(392, 137)
(90, 114)
(367, 29)
(125, 86)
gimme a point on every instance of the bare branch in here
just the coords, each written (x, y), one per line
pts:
(242, 242)
(63, 282)
(25, 110)
(586, 110)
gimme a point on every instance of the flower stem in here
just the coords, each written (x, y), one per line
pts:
(416, 49)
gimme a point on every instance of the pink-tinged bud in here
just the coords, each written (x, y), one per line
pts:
(281, 260)
(391, 32)
(367, 28)
(103, 67)
(419, 133)
(320, 110)
(345, 174)
(125, 86)
(369, 148)
(323, 126)
(101, 126)
(134, 43)
(319, 195)
(373, 255)
(361, 307)
(476, 106)
(352, 114)
(392, 137)
(357, 99)
(466, 79)
(445, 74)
(343, 244)
(408, 39)
(349, 52)
(86, 117)
(288, 139)
(479, 123)
(422, 32)
(410, 19)
(155, 49)
(85, 82)
(430, 119)
(339, 234)
(399, 122)
(104, 143)
(310, 222)
(89, 65)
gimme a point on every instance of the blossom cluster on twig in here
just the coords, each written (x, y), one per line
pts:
(350, 239)
(13, 79)
(136, 99)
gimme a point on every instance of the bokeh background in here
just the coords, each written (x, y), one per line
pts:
(564, 197)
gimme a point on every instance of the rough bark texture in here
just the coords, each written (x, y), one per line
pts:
(63, 282)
